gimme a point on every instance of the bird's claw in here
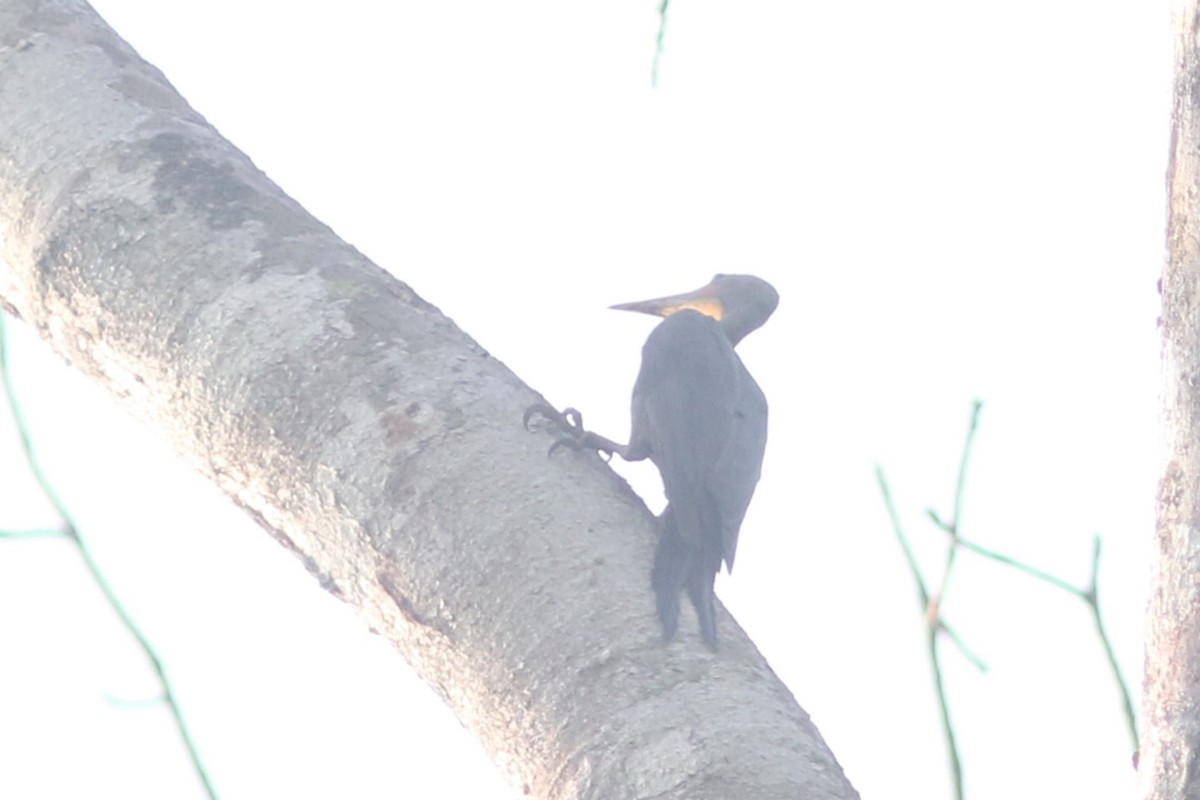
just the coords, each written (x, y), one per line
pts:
(538, 408)
(570, 422)
(569, 419)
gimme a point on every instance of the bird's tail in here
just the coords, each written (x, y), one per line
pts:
(678, 566)
(669, 573)
(700, 581)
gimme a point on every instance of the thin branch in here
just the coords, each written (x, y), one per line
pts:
(930, 605)
(124, 702)
(976, 407)
(909, 556)
(658, 40)
(1093, 601)
(933, 624)
(1090, 596)
(37, 533)
(944, 586)
(953, 636)
(72, 532)
(1021, 566)
(944, 705)
(953, 526)
(947, 526)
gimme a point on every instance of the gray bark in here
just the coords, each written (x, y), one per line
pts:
(366, 433)
(1169, 761)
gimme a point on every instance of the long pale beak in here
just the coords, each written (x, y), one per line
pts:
(703, 300)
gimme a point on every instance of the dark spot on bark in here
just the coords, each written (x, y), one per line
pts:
(195, 179)
(398, 427)
(408, 609)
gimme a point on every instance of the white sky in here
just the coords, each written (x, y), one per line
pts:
(955, 200)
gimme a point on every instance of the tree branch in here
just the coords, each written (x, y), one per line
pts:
(369, 435)
(931, 612)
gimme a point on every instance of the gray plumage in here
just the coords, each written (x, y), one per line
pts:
(702, 419)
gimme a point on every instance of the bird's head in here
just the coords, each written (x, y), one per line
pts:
(741, 303)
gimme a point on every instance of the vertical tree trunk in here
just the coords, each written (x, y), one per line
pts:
(368, 434)
(1169, 762)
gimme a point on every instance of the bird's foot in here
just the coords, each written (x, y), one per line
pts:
(570, 422)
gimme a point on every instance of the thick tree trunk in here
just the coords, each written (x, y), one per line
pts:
(368, 434)
(1169, 763)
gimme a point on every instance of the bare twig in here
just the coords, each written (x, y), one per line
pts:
(933, 624)
(932, 603)
(71, 532)
(952, 635)
(658, 40)
(1020, 566)
(976, 407)
(931, 640)
(952, 526)
(38, 533)
(1093, 601)
(1089, 595)
(909, 556)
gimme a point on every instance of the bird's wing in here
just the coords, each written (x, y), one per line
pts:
(703, 420)
(735, 474)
